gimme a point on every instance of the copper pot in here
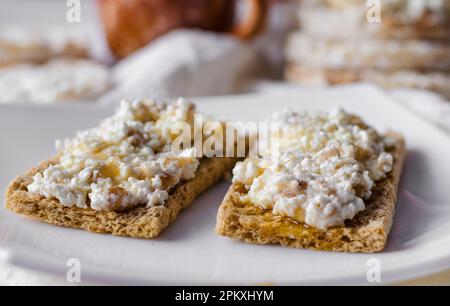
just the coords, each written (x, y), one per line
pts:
(132, 24)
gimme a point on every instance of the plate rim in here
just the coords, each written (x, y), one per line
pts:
(17, 254)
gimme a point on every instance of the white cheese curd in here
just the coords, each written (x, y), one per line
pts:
(52, 82)
(327, 166)
(125, 162)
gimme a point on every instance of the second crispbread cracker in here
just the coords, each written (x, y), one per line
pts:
(367, 232)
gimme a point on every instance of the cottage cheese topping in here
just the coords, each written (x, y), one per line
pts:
(55, 81)
(125, 162)
(399, 19)
(328, 166)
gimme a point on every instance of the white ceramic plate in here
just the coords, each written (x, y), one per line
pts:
(189, 252)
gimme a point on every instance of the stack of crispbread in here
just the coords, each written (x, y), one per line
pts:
(341, 41)
(48, 65)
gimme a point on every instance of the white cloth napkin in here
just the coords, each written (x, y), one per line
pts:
(186, 63)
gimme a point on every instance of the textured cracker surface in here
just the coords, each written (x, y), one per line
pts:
(138, 222)
(367, 232)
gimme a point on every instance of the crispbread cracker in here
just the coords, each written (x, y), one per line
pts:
(364, 53)
(367, 232)
(436, 81)
(140, 222)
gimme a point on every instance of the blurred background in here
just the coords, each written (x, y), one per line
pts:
(99, 51)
